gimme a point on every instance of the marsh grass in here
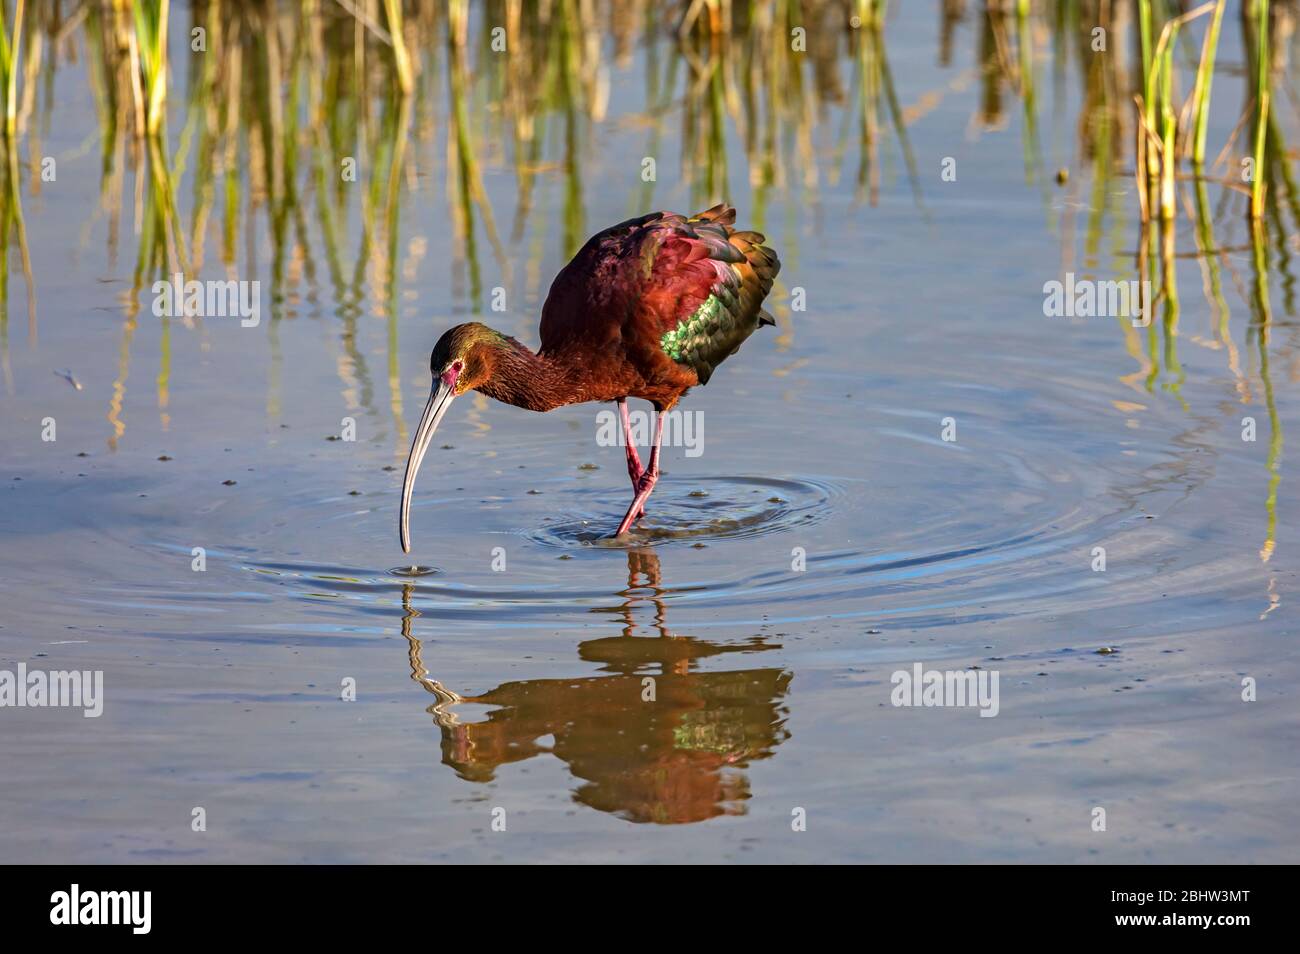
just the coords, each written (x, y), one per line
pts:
(11, 45)
(1263, 95)
(287, 91)
(151, 49)
(1204, 85)
(417, 97)
(1162, 136)
(13, 226)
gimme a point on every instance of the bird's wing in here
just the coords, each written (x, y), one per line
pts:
(690, 289)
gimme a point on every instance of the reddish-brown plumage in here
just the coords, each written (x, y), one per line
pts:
(609, 308)
(646, 309)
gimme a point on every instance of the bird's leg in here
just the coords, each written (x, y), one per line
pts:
(646, 484)
(633, 459)
(634, 469)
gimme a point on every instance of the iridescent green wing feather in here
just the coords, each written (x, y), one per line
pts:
(722, 280)
(689, 288)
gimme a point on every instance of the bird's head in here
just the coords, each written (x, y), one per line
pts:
(463, 359)
(465, 356)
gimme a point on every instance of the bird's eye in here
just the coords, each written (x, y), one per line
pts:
(458, 367)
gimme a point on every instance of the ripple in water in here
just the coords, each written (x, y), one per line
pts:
(414, 570)
(705, 508)
(904, 549)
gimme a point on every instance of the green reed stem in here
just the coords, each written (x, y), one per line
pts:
(402, 59)
(151, 36)
(10, 54)
(1169, 126)
(1204, 80)
(1262, 62)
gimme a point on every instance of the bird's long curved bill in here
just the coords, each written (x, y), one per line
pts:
(439, 401)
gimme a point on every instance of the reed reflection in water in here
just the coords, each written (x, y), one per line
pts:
(382, 167)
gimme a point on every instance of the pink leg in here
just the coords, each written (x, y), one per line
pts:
(647, 482)
(633, 459)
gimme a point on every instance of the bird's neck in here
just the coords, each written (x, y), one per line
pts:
(531, 381)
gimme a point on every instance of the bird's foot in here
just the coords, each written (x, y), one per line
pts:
(643, 487)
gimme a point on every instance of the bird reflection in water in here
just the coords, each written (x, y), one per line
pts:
(653, 738)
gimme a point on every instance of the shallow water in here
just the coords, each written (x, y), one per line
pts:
(826, 537)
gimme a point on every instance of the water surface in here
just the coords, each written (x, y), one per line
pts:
(826, 537)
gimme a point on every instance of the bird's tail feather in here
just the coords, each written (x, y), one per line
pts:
(721, 213)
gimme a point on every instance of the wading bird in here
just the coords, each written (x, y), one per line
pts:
(646, 309)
